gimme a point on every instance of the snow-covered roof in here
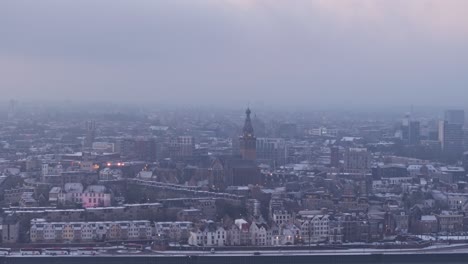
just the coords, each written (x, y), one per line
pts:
(428, 218)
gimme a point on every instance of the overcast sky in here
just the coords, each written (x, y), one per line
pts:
(283, 52)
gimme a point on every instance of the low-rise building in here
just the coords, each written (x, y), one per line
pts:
(54, 194)
(42, 231)
(427, 225)
(208, 235)
(93, 196)
(178, 232)
(314, 227)
(281, 217)
(13, 196)
(10, 229)
(450, 222)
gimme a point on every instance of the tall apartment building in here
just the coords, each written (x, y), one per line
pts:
(414, 133)
(181, 146)
(357, 160)
(271, 150)
(455, 117)
(90, 135)
(451, 139)
(335, 157)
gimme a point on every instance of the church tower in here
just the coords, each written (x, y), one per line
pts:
(248, 142)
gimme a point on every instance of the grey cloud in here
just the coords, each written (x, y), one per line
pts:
(278, 52)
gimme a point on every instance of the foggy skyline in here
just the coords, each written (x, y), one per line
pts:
(235, 52)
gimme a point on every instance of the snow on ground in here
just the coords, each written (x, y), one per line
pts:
(432, 238)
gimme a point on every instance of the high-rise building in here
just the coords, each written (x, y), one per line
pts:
(181, 146)
(12, 105)
(465, 139)
(405, 128)
(414, 133)
(451, 139)
(357, 160)
(455, 117)
(410, 131)
(465, 160)
(248, 142)
(271, 150)
(90, 134)
(335, 157)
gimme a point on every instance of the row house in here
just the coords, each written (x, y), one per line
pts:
(209, 235)
(258, 232)
(245, 238)
(335, 232)
(307, 229)
(174, 231)
(42, 231)
(314, 228)
(288, 234)
(233, 236)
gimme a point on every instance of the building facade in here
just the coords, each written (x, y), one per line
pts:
(42, 231)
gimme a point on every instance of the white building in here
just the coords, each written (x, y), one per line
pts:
(281, 217)
(96, 196)
(71, 192)
(396, 180)
(323, 132)
(233, 236)
(51, 170)
(258, 233)
(93, 196)
(108, 174)
(209, 236)
(53, 194)
(314, 228)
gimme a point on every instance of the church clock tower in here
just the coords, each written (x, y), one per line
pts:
(248, 142)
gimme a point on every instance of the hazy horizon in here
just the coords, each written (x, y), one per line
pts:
(237, 52)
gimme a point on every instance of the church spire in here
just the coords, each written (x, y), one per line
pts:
(248, 128)
(248, 142)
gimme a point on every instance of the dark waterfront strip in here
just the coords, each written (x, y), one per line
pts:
(315, 259)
